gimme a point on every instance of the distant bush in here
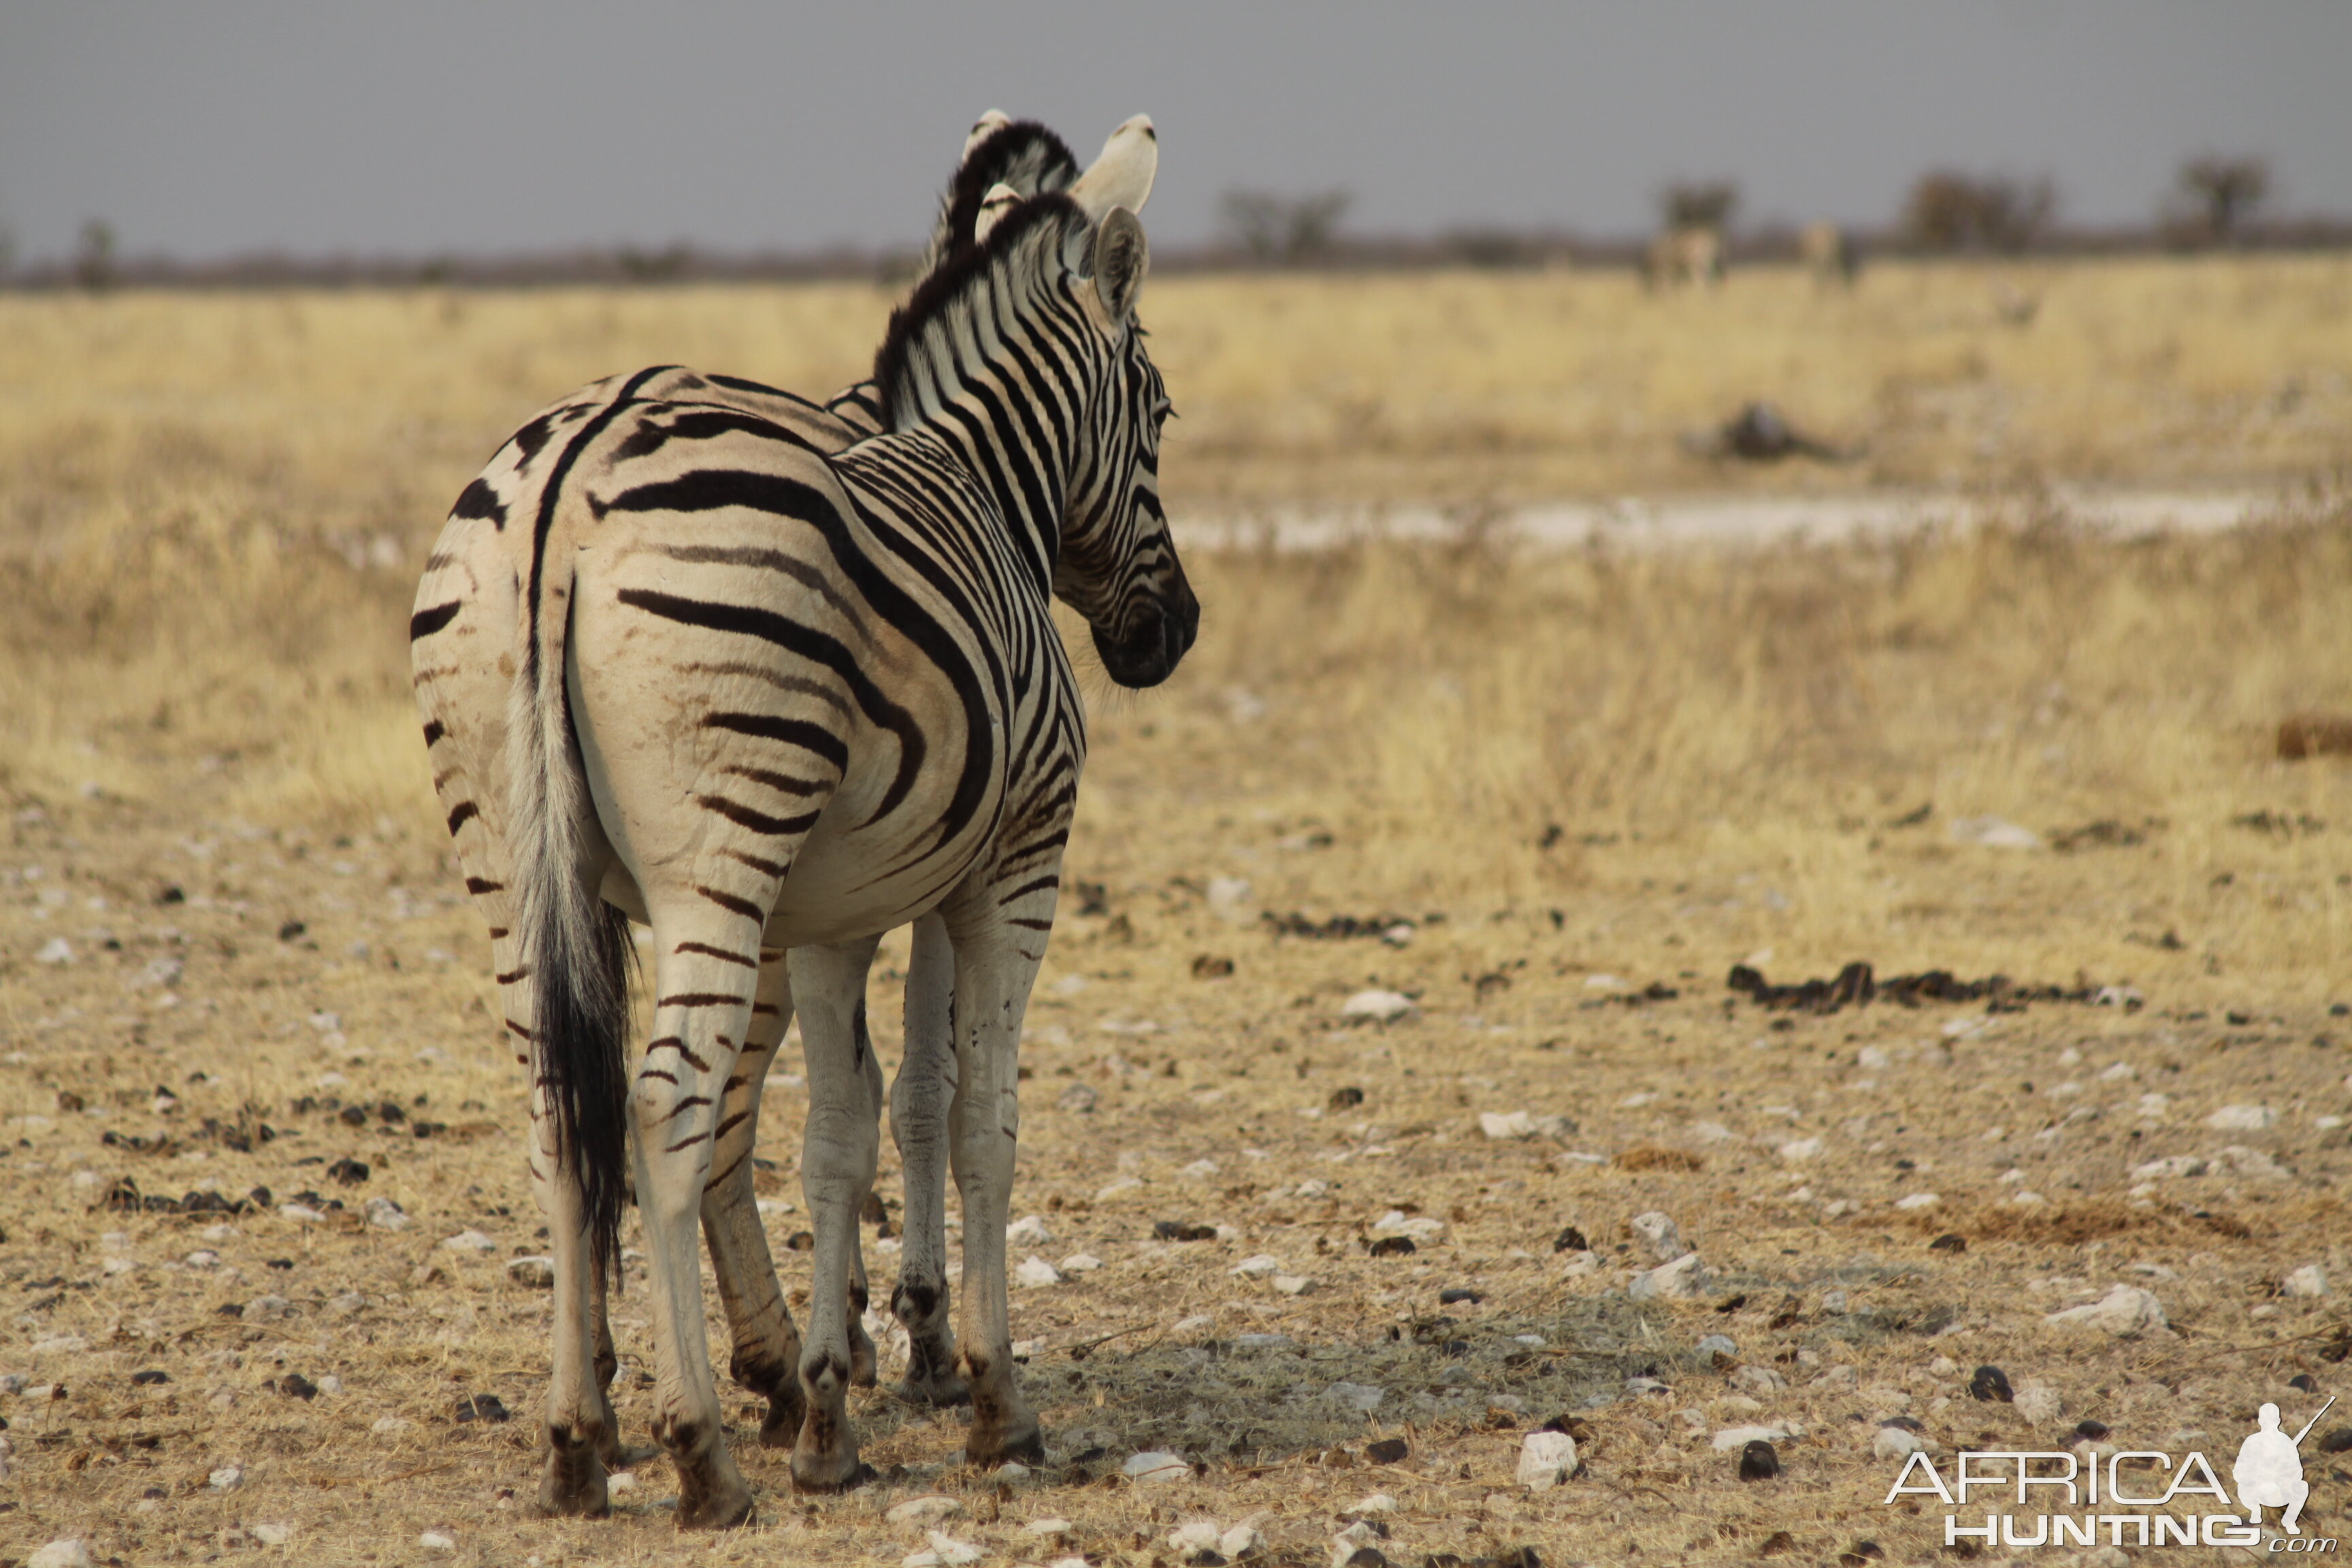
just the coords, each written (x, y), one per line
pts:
(1949, 211)
(1275, 228)
(1707, 204)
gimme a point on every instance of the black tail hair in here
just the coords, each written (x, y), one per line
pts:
(582, 1030)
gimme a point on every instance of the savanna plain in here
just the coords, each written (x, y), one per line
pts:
(1393, 957)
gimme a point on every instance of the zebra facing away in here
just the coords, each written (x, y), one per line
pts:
(772, 696)
(470, 595)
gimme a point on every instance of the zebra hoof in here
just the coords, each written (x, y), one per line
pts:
(573, 1485)
(840, 1474)
(711, 1495)
(863, 1363)
(985, 1450)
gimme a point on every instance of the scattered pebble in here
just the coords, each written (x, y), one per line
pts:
(1046, 1527)
(1293, 1284)
(1546, 1459)
(269, 1310)
(1357, 1396)
(1381, 1502)
(1257, 1268)
(392, 1426)
(228, 1477)
(2125, 1310)
(1077, 1096)
(1918, 1201)
(2311, 1280)
(58, 950)
(621, 1481)
(1896, 1443)
(1079, 1263)
(1717, 1344)
(1798, 1150)
(67, 1554)
(1029, 1230)
(1658, 1231)
(1421, 1229)
(1034, 1272)
(385, 1215)
(2241, 1119)
(469, 1241)
(925, 1511)
(1993, 833)
(532, 1273)
(1732, 1437)
(1157, 1465)
(273, 1535)
(1386, 1006)
(1683, 1279)
(434, 1540)
(2038, 1402)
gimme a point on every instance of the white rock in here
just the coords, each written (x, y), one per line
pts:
(1658, 1231)
(2255, 1162)
(1504, 1125)
(2123, 1310)
(2311, 1280)
(1358, 1397)
(67, 1553)
(385, 1215)
(532, 1273)
(60, 1344)
(1732, 1437)
(1110, 1190)
(1717, 1344)
(1918, 1201)
(269, 1310)
(925, 1511)
(469, 1241)
(1012, 1469)
(621, 1481)
(1035, 1272)
(2241, 1119)
(301, 1213)
(1077, 1096)
(2170, 1167)
(1157, 1465)
(1229, 897)
(12, 1383)
(1422, 1229)
(1377, 1502)
(434, 1540)
(1836, 1378)
(228, 1477)
(392, 1426)
(1800, 1148)
(1029, 1230)
(1895, 1443)
(2037, 1401)
(1195, 1539)
(1198, 1171)
(1257, 1268)
(1387, 1006)
(273, 1535)
(56, 950)
(1546, 1459)
(1681, 1280)
(1046, 1527)
(1079, 1263)
(1293, 1284)
(1575, 1265)
(1069, 1563)
(1239, 1543)
(1993, 833)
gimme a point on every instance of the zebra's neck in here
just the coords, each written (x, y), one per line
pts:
(990, 361)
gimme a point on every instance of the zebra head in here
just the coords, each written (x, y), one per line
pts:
(1117, 565)
(1024, 351)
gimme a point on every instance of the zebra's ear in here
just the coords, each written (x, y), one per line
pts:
(986, 126)
(1001, 199)
(1121, 259)
(1121, 176)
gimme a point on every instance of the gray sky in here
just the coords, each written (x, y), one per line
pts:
(209, 128)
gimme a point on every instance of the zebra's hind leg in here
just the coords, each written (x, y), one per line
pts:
(837, 1162)
(997, 950)
(919, 1122)
(767, 1348)
(706, 973)
(580, 1426)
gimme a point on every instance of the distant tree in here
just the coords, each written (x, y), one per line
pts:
(2225, 191)
(93, 264)
(1274, 228)
(1949, 211)
(7, 251)
(1706, 204)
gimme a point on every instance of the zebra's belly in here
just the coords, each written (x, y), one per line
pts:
(850, 882)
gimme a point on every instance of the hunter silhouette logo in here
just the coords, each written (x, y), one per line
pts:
(2269, 1471)
(2072, 1497)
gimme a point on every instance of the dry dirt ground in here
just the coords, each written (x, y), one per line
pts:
(1590, 784)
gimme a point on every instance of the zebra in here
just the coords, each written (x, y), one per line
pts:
(918, 563)
(1830, 255)
(1690, 254)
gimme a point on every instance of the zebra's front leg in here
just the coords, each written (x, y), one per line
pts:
(702, 1007)
(919, 1122)
(996, 963)
(767, 1347)
(864, 1364)
(837, 1164)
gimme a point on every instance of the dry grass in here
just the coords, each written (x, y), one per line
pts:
(1646, 767)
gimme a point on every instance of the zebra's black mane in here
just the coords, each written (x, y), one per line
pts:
(1023, 153)
(938, 293)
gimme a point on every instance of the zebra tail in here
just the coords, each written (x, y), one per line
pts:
(576, 945)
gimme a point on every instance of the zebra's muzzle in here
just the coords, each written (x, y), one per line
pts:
(1157, 636)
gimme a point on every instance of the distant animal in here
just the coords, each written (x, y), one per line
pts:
(877, 723)
(1688, 257)
(1830, 254)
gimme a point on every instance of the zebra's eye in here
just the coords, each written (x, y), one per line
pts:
(1162, 414)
